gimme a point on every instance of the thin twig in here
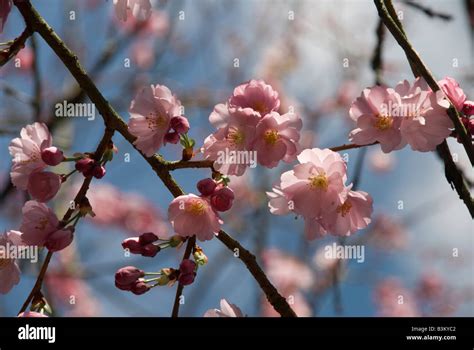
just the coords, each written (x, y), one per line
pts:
(179, 290)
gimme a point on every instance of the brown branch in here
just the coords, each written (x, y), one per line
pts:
(179, 290)
(428, 11)
(349, 146)
(17, 44)
(114, 122)
(189, 164)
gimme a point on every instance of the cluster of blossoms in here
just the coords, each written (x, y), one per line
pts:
(198, 215)
(316, 190)
(408, 114)
(249, 124)
(155, 119)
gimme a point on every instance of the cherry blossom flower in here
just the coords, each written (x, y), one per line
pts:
(5, 8)
(26, 152)
(381, 162)
(453, 91)
(141, 9)
(227, 310)
(393, 300)
(26, 58)
(257, 95)
(52, 156)
(9, 270)
(375, 120)
(151, 112)
(192, 215)
(425, 122)
(43, 186)
(60, 239)
(315, 185)
(39, 222)
(277, 138)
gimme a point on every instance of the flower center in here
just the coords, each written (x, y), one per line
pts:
(344, 209)
(155, 121)
(319, 181)
(32, 158)
(261, 107)
(196, 207)
(236, 137)
(383, 122)
(271, 137)
(42, 224)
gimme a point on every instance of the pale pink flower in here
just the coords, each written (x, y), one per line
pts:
(227, 310)
(393, 300)
(192, 215)
(388, 232)
(38, 223)
(425, 123)
(352, 215)
(26, 58)
(315, 185)
(5, 8)
(278, 203)
(43, 186)
(257, 95)
(277, 138)
(286, 272)
(60, 239)
(141, 9)
(381, 162)
(230, 146)
(151, 112)
(157, 25)
(32, 314)
(26, 152)
(453, 91)
(143, 54)
(9, 270)
(375, 113)
(430, 286)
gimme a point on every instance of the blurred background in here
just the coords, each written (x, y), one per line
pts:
(317, 55)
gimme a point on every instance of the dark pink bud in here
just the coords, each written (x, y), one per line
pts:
(468, 124)
(172, 137)
(206, 186)
(133, 245)
(98, 171)
(222, 199)
(147, 237)
(84, 165)
(140, 288)
(52, 156)
(186, 278)
(127, 276)
(150, 250)
(60, 239)
(180, 124)
(187, 266)
(468, 108)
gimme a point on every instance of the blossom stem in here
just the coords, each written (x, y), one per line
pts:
(179, 290)
(349, 146)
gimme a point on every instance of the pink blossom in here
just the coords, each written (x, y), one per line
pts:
(276, 138)
(352, 215)
(157, 25)
(393, 300)
(142, 245)
(425, 122)
(128, 276)
(286, 272)
(5, 8)
(229, 146)
(222, 199)
(151, 112)
(468, 108)
(26, 58)
(26, 152)
(257, 95)
(192, 215)
(143, 54)
(453, 91)
(375, 120)
(381, 162)
(141, 9)
(227, 310)
(43, 186)
(9, 270)
(315, 185)
(38, 223)
(60, 239)
(206, 186)
(52, 156)
(187, 272)
(32, 314)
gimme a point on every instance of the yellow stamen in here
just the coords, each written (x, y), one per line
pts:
(344, 209)
(155, 121)
(383, 122)
(319, 181)
(271, 137)
(42, 224)
(236, 137)
(196, 207)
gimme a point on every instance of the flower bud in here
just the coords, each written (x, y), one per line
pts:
(127, 276)
(180, 124)
(44, 185)
(187, 266)
(133, 245)
(84, 165)
(172, 137)
(140, 288)
(98, 171)
(147, 237)
(468, 108)
(52, 156)
(150, 250)
(60, 239)
(186, 279)
(206, 186)
(222, 199)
